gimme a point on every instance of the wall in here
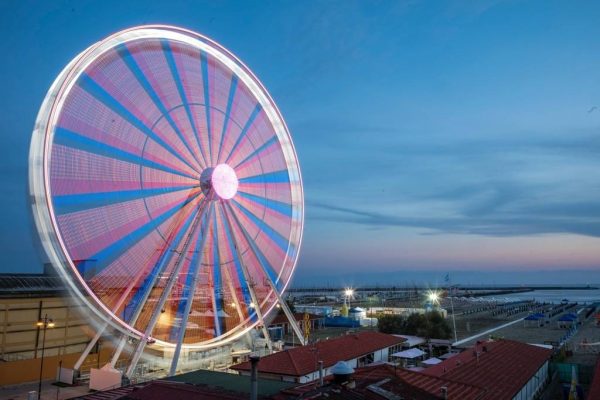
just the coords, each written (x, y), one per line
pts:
(21, 339)
(534, 385)
(21, 371)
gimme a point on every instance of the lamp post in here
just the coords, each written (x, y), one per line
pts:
(44, 324)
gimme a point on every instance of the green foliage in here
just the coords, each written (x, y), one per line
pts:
(429, 325)
(390, 323)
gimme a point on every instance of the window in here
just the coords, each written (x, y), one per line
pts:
(366, 360)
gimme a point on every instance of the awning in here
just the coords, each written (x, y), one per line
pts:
(410, 353)
(412, 341)
(432, 361)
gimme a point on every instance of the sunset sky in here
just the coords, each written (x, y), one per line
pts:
(433, 136)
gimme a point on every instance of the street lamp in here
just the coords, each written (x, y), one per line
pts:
(348, 294)
(44, 324)
(434, 298)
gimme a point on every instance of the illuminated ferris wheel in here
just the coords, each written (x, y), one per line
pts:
(166, 188)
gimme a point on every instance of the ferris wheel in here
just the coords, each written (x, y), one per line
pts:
(166, 189)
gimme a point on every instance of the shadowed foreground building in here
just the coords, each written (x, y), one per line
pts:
(492, 370)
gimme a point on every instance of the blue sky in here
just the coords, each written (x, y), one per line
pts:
(433, 136)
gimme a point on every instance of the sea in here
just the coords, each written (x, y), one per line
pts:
(556, 296)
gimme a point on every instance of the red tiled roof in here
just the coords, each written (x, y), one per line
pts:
(594, 392)
(433, 384)
(396, 381)
(303, 360)
(503, 367)
(282, 319)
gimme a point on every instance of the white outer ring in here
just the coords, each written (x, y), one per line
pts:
(42, 137)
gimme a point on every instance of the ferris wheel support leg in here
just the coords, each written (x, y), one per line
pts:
(288, 313)
(103, 327)
(118, 351)
(89, 347)
(188, 304)
(282, 303)
(259, 313)
(139, 350)
(238, 307)
(253, 297)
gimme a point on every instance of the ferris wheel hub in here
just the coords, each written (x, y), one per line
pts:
(219, 182)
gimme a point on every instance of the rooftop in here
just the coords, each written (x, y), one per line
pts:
(239, 383)
(30, 285)
(594, 391)
(501, 367)
(300, 361)
(383, 381)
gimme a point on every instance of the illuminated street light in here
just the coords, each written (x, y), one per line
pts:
(43, 324)
(348, 294)
(434, 297)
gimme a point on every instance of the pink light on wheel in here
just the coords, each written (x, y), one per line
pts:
(224, 181)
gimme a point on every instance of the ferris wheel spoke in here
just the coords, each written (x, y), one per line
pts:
(205, 82)
(278, 206)
(114, 250)
(77, 141)
(268, 177)
(92, 87)
(257, 152)
(176, 77)
(69, 203)
(232, 89)
(135, 69)
(247, 125)
(269, 231)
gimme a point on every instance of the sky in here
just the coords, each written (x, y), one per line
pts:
(434, 137)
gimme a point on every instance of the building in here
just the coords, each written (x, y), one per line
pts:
(384, 382)
(26, 299)
(196, 385)
(594, 389)
(300, 364)
(506, 369)
(280, 320)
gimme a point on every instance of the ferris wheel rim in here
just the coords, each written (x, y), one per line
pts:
(46, 123)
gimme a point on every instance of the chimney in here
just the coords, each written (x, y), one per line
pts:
(254, 377)
(320, 373)
(444, 391)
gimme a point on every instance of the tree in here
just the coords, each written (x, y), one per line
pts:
(393, 324)
(429, 325)
(438, 327)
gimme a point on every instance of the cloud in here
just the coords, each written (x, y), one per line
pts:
(497, 185)
(517, 223)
